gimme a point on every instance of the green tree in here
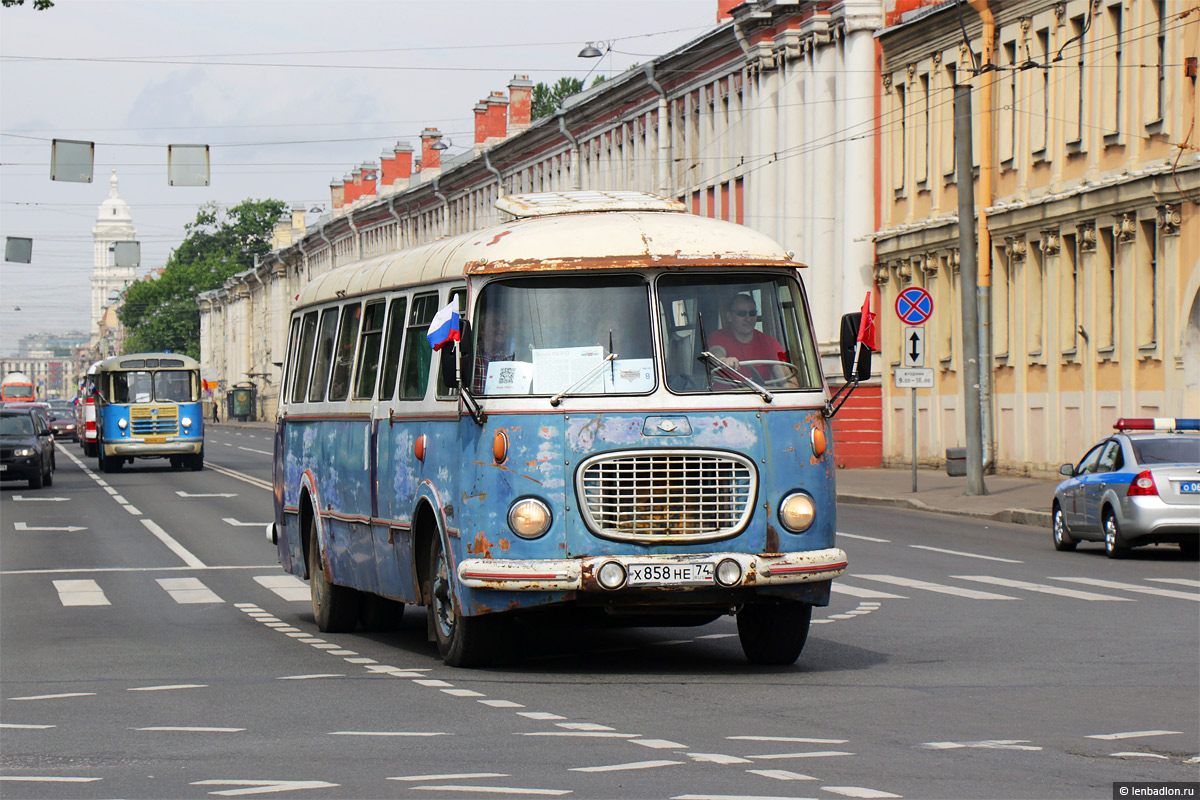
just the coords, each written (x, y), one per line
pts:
(161, 313)
(40, 5)
(547, 98)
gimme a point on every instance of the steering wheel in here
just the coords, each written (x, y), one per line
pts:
(794, 373)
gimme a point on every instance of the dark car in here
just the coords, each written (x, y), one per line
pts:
(63, 425)
(1139, 486)
(26, 447)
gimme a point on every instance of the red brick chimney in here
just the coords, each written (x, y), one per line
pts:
(520, 103)
(351, 191)
(395, 166)
(337, 193)
(480, 124)
(724, 7)
(430, 158)
(497, 116)
(370, 177)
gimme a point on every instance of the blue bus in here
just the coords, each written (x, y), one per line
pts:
(626, 416)
(148, 405)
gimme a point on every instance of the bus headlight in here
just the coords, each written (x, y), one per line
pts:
(122, 424)
(529, 517)
(611, 575)
(797, 512)
(186, 421)
(729, 572)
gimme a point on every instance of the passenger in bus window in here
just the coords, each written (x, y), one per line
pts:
(740, 340)
(494, 344)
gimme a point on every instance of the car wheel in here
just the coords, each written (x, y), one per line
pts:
(773, 634)
(335, 608)
(49, 479)
(38, 478)
(1063, 540)
(462, 641)
(1114, 545)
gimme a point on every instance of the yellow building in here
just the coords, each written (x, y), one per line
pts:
(1087, 164)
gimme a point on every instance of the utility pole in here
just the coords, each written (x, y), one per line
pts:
(968, 281)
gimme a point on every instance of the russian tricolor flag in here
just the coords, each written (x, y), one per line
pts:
(445, 328)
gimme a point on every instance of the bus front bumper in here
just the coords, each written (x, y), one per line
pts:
(686, 571)
(144, 450)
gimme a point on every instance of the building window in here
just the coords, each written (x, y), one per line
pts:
(921, 161)
(1106, 295)
(1075, 84)
(1112, 99)
(1068, 295)
(1006, 126)
(899, 136)
(1035, 303)
(1001, 310)
(1039, 103)
(1145, 286)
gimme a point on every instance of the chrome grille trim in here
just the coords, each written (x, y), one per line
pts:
(154, 420)
(666, 496)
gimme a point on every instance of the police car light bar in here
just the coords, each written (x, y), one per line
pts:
(1157, 424)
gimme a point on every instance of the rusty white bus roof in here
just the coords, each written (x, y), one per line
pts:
(579, 238)
(118, 362)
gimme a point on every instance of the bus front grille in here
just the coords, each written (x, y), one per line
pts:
(154, 420)
(656, 496)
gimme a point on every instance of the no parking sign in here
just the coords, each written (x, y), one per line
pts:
(914, 306)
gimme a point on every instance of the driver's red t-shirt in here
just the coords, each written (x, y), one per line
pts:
(760, 348)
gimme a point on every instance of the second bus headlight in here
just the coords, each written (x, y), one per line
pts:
(529, 517)
(797, 512)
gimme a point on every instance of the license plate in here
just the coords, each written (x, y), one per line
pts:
(1189, 487)
(155, 440)
(3, 467)
(670, 574)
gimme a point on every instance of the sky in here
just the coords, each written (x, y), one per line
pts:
(289, 95)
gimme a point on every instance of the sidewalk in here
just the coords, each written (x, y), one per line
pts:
(1025, 501)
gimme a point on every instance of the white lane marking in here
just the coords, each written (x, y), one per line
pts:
(630, 765)
(80, 593)
(88, 570)
(463, 693)
(965, 555)
(787, 739)
(289, 587)
(111, 490)
(174, 546)
(418, 734)
(986, 744)
(973, 594)
(857, 791)
(432, 682)
(20, 499)
(252, 450)
(132, 509)
(167, 688)
(1131, 587)
(54, 696)
(214, 494)
(239, 524)
(781, 774)
(1177, 581)
(583, 726)
(1043, 588)
(240, 476)
(187, 591)
(120, 499)
(811, 754)
(24, 727)
(45, 779)
(21, 526)
(583, 734)
(538, 715)
(310, 677)
(501, 704)
(864, 538)
(733, 797)
(659, 744)
(1132, 734)
(263, 787)
(494, 790)
(866, 594)
(188, 729)
(1138, 755)
(451, 776)
(717, 758)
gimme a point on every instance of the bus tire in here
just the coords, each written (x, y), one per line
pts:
(196, 463)
(773, 633)
(176, 463)
(335, 608)
(461, 641)
(110, 463)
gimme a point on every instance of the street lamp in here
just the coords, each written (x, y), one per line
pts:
(442, 145)
(591, 51)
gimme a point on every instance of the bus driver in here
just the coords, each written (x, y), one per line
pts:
(739, 340)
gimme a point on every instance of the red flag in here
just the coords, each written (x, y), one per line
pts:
(866, 326)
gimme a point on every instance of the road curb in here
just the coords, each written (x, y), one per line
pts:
(1016, 516)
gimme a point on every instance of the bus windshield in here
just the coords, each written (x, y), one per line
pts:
(540, 336)
(164, 386)
(754, 324)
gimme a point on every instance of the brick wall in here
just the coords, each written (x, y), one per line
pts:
(858, 429)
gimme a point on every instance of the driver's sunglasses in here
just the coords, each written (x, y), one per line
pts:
(742, 312)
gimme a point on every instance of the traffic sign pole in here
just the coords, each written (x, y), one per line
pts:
(914, 306)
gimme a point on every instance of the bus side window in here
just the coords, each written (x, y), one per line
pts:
(444, 391)
(368, 351)
(304, 358)
(414, 373)
(289, 363)
(343, 360)
(324, 356)
(391, 353)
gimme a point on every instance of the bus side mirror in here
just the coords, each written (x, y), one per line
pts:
(448, 355)
(849, 343)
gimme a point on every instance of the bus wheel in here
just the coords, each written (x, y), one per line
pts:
(196, 462)
(111, 463)
(773, 634)
(462, 641)
(335, 608)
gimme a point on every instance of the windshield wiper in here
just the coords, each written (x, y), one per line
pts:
(554, 401)
(739, 377)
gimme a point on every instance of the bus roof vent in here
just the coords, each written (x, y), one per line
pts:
(546, 204)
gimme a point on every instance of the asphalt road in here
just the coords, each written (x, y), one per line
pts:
(150, 647)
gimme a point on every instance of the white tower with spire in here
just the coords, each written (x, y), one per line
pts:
(113, 224)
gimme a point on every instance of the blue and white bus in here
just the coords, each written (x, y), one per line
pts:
(148, 405)
(596, 439)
